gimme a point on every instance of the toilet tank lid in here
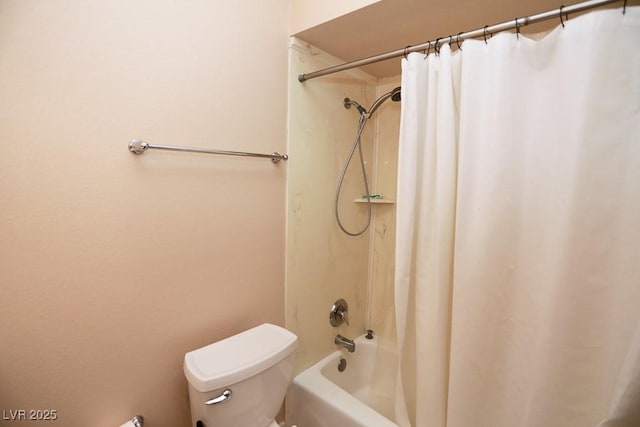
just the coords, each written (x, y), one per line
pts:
(238, 357)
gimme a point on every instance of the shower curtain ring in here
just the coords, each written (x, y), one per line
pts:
(485, 34)
(624, 7)
(437, 46)
(561, 21)
(517, 29)
(458, 40)
(426, 53)
(405, 51)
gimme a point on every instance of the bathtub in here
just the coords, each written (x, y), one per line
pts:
(360, 396)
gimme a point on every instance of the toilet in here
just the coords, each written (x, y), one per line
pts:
(242, 380)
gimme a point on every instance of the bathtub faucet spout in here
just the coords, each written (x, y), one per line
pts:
(345, 342)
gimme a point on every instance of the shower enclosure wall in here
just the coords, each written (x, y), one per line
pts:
(324, 264)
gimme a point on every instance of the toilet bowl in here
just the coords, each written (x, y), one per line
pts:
(242, 380)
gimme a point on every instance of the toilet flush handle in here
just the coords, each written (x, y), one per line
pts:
(226, 395)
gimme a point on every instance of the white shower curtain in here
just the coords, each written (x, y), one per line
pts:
(518, 230)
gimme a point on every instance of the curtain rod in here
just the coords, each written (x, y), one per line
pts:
(516, 23)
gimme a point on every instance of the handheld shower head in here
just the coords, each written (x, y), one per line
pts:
(394, 95)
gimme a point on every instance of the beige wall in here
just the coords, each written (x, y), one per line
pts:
(112, 266)
(323, 264)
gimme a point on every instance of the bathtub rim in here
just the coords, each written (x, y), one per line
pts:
(314, 383)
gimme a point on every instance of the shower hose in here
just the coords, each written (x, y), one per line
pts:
(356, 144)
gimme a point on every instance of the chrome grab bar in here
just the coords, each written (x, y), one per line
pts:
(226, 395)
(138, 146)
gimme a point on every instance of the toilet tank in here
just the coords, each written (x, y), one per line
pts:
(242, 380)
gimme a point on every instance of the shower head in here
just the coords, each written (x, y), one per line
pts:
(394, 95)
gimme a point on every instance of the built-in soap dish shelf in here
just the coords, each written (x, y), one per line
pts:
(375, 201)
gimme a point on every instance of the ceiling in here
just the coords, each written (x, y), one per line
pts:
(393, 24)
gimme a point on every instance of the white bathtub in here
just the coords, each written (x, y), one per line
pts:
(360, 396)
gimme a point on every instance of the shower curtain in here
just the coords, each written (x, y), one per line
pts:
(518, 230)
